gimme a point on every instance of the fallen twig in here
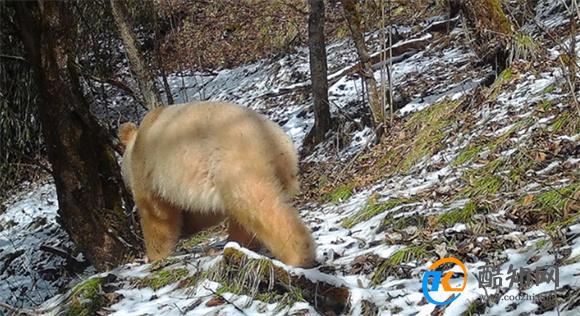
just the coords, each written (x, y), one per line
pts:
(70, 260)
(9, 258)
(225, 300)
(17, 311)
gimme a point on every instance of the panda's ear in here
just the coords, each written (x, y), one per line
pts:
(127, 132)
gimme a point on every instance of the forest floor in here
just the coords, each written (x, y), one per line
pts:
(483, 171)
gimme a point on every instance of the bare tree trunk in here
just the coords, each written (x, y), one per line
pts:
(318, 71)
(140, 70)
(166, 86)
(354, 23)
(90, 191)
(491, 28)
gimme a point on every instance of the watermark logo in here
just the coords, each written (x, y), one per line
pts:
(488, 277)
(438, 278)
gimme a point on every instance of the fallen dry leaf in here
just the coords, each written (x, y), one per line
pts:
(215, 301)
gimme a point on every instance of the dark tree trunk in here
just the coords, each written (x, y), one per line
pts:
(159, 58)
(491, 28)
(354, 24)
(139, 68)
(318, 71)
(90, 191)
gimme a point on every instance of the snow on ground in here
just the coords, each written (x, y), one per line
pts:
(30, 275)
(352, 241)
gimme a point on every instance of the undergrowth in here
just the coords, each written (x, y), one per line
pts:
(462, 215)
(554, 208)
(340, 194)
(256, 279)
(388, 266)
(86, 298)
(433, 125)
(402, 222)
(199, 238)
(373, 208)
(162, 278)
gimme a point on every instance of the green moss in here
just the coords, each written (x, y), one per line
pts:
(506, 75)
(342, 31)
(267, 297)
(86, 298)
(373, 208)
(407, 254)
(199, 238)
(228, 288)
(467, 155)
(499, 17)
(163, 278)
(462, 215)
(341, 193)
(433, 125)
(497, 86)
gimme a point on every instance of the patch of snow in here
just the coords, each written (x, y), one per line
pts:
(33, 275)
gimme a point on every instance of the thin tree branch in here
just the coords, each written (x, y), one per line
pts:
(10, 57)
(118, 84)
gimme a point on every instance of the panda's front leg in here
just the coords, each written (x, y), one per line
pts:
(161, 224)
